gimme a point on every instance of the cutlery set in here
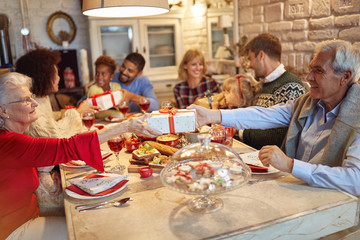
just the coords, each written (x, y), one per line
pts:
(93, 206)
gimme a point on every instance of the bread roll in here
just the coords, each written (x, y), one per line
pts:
(162, 148)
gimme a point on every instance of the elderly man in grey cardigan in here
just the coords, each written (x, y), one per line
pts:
(322, 145)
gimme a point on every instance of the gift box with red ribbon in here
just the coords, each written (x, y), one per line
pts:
(172, 121)
(105, 100)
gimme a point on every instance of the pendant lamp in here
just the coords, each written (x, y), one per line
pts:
(124, 8)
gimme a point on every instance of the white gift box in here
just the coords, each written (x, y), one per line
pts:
(106, 101)
(182, 121)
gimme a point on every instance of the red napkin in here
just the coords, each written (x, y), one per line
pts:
(255, 168)
(77, 190)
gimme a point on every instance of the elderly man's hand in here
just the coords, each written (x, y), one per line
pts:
(272, 155)
(205, 116)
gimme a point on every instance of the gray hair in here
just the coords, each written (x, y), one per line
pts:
(10, 81)
(347, 57)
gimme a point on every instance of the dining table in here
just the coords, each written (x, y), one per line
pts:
(270, 206)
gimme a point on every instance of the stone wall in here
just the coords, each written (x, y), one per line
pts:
(300, 24)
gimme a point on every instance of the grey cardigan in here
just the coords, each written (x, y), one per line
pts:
(346, 127)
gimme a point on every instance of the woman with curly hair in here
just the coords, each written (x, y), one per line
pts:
(104, 71)
(41, 66)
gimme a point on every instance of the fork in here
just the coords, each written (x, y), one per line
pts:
(82, 206)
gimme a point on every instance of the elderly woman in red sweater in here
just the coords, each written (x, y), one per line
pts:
(21, 154)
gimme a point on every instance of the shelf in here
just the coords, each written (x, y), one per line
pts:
(114, 34)
(161, 32)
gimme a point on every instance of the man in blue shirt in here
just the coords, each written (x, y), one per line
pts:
(322, 145)
(135, 86)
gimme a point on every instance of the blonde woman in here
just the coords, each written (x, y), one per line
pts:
(195, 84)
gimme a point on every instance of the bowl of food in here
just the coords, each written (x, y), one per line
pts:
(168, 139)
(132, 144)
(192, 137)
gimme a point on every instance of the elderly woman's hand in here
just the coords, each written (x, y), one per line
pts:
(140, 128)
(205, 116)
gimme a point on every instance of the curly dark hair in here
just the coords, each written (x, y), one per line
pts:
(39, 65)
(107, 61)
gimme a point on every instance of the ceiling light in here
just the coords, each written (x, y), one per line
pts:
(124, 8)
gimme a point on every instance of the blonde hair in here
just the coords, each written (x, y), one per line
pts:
(243, 87)
(189, 56)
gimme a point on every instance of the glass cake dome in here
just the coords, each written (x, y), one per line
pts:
(205, 169)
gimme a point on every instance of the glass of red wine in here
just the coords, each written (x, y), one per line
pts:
(115, 145)
(166, 104)
(88, 120)
(144, 105)
(124, 107)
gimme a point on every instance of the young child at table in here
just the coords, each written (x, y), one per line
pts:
(238, 91)
(104, 71)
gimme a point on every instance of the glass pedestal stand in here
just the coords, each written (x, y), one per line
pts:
(205, 204)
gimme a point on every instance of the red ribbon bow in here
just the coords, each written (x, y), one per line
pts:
(171, 113)
(102, 94)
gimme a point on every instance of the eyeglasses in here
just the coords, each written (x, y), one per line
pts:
(27, 101)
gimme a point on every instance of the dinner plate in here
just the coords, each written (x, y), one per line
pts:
(157, 165)
(114, 119)
(105, 155)
(252, 158)
(79, 196)
(97, 126)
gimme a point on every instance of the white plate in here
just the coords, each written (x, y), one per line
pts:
(114, 118)
(157, 165)
(252, 158)
(79, 196)
(97, 126)
(103, 154)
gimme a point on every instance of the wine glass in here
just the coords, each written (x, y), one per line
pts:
(218, 133)
(88, 120)
(144, 105)
(115, 145)
(124, 107)
(166, 104)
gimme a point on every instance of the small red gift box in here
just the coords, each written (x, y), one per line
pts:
(105, 100)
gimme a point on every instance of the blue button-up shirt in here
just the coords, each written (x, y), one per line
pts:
(313, 140)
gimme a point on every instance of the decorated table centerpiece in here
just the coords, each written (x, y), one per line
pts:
(205, 169)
